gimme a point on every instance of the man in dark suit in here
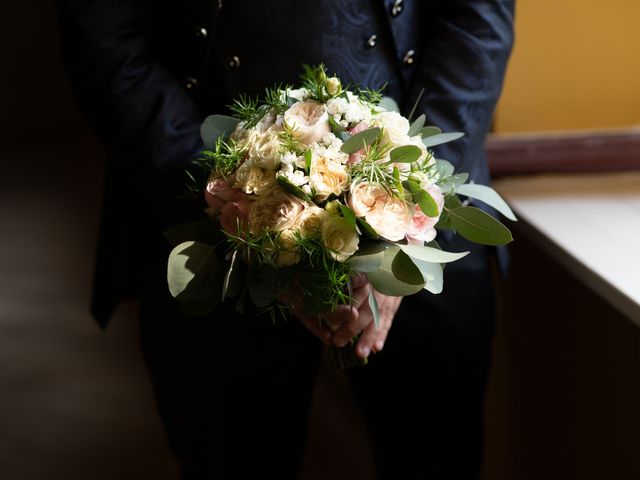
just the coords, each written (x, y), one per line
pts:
(234, 392)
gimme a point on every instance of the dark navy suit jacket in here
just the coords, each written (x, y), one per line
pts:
(146, 73)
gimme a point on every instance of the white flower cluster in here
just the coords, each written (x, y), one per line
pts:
(300, 147)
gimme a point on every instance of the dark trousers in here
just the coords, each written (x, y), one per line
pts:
(234, 392)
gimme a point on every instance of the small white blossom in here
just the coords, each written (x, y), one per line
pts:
(337, 106)
(298, 178)
(300, 94)
(289, 158)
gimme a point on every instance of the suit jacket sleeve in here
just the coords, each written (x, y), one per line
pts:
(137, 108)
(461, 68)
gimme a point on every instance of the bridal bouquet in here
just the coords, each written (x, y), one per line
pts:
(306, 187)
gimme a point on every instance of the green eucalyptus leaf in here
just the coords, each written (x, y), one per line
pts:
(193, 272)
(294, 190)
(489, 196)
(451, 201)
(432, 255)
(215, 126)
(389, 104)
(405, 154)
(445, 168)
(451, 183)
(430, 131)
(360, 140)
(348, 214)
(369, 256)
(397, 276)
(229, 274)
(440, 138)
(479, 227)
(336, 128)
(422, 198)
(367, 229)
(432, 274)
(374, 309)
(460, 178)
(416, 126)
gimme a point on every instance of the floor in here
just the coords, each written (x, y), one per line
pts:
(75, 402)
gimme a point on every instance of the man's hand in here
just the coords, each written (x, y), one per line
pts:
(323, 327)
(372, 339)
(339, 327)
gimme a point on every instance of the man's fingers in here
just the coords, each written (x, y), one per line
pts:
(359, 280)
(342, 314)
(381, 334)
(316, 327)
(366, 342)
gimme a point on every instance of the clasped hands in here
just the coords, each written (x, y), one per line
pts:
(347, 321)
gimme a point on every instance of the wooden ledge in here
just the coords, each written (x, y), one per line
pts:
(583, 151)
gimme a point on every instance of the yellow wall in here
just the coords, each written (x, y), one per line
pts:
(575, 65)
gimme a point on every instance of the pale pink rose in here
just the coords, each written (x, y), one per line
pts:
(422, 228)
(357, 156)
(217, 193)
(308, 120)
(388, 215)
(234, 215)
(360, 127)
(275, 211)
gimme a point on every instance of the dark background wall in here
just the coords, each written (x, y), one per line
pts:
(36, 102)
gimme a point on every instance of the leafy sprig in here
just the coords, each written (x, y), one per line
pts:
(289, 142)
(222, 160)
(373, 170)
(248, 109)
(370, 96)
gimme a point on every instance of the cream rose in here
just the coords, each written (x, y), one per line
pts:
(252, 179)
(339, 237)
(265, 151)
(388, 215)
(276, 210)
(310, 221)
(308, 120)
(244, 139)
(288, 250)
(327, 177)
(395, 128)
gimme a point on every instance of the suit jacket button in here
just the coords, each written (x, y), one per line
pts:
(409, 57)
(201, 32)
(233, 62)
(396, 8)
(190, 83)
(372, 40)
